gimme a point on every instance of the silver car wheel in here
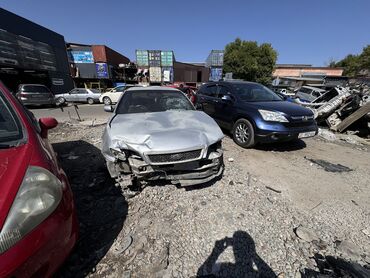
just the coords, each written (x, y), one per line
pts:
(90, 101)
(107, 101)
(60, 100)
(242, 133)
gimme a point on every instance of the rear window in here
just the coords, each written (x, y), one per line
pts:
(35, 89)
(10, 126)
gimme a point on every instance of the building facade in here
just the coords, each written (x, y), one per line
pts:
(30, 53)
(96, 66)
(287, 70)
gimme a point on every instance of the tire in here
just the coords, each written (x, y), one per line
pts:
(60, 101)
(107, 101)
(90, 101)
(243, 133)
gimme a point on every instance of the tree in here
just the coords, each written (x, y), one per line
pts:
(353, 64)
(249, 61)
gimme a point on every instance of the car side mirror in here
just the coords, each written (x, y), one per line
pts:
(198, 106)
(46, 124)
(226, 98)
(109, 108)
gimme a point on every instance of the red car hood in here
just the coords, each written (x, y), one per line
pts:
(13, 166)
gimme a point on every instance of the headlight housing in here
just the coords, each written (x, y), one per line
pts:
(121, 155)
(37, 197)
(273, 116)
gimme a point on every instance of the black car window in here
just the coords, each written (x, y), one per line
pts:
(255, 92)
(146, 101)
(210, 91)
(35, 89)
(222, 91)
(74, 91)
(10, 126)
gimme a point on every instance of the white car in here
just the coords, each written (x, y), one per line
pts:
(113, 95)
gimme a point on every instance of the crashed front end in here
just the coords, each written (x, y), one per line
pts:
(185, 167)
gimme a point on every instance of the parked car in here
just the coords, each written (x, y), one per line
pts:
(38, 224)
(156, 133)
(114, 94)
(82, 95)
(254, 113)
(309, 94)
(35, 94)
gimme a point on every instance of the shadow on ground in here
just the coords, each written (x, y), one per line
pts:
(330, 267)
(101, 208)
(288, 146)
(247, 262)
(282, 146)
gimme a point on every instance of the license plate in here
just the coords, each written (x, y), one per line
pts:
(306, 134)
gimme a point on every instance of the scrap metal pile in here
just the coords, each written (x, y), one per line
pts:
(340, 107)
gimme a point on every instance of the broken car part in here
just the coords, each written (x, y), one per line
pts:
(155, 133)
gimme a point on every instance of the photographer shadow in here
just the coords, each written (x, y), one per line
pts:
(247, 262)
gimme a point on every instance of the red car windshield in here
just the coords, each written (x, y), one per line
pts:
(10, 127)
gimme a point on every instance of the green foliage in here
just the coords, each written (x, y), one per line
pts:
(353, 64)
(249, 61)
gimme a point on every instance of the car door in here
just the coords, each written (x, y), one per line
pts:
(83, 95)
(71, 95)
(207, 98)
(224, 108)
(117, 94)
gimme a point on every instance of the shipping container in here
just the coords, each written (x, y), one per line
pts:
(167, 58)
(215, 74)
(104, 54)
(154, 58)
(215, 58)
(155, 74)
(142, 58)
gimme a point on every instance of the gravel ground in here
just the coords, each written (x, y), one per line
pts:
(273, 213)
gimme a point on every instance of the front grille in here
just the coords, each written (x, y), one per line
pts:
(174, 157)
(299, 124)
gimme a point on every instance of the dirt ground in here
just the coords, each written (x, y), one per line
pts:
(273, 213)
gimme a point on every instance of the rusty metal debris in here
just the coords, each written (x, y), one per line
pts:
(341, 107)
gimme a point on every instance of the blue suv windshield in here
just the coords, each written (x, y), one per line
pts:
(255, 92)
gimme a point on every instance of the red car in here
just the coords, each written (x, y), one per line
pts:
(38, 223)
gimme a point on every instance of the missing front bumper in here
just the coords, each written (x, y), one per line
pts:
(188, 173)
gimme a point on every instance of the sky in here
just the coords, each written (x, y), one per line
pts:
(305, 32)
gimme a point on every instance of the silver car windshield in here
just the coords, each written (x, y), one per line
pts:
(152, 101)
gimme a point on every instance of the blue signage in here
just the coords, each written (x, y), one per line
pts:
(81, 56)
(101, 70)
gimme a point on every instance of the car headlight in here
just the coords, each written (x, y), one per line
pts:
(273, 116)
(118, 154)
(37, 197)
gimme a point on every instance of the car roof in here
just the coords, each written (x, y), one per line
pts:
(33, 85)
(231, 82)
(152, 88)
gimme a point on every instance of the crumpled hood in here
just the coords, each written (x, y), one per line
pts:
(161, 131)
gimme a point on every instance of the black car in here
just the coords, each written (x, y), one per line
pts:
(254, 113)
(35, 94)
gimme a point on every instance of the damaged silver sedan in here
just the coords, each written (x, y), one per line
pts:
(155, 133)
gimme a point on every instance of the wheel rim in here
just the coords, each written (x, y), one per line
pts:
(90, 101)
(107, 101)
(60, 100)
(242, 133)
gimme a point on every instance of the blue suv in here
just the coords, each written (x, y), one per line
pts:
(254, 114)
